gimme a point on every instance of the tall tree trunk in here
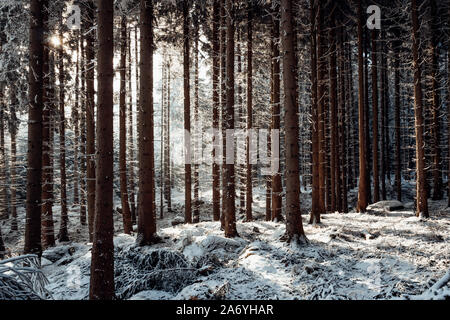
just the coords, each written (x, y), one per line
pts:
(102, 263)
(90, 112)
(76, 124)
(315, 201)
(367, 117)
(216, 105)
(321, 65)
(126, 213)
(421, 194)
(294, 226)
(48, 237)
(83, 168)
(223, 97)
(146, 197)
(435, 87)
(342, 124)
(187, 116)
(249, 185)
(12, 166)
(167, 163)
(335, 170)
(384, 124)
(5, 208)
(376, 177)
(131, 158)
(63, 233)
(276, 176)
(34, 159)
(196, 211)
(362, 191)
(228, 174)
(398, 150)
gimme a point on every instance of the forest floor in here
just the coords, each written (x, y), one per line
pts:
(377, 255)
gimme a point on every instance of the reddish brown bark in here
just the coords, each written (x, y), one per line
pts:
(375, 115)
(90, 113)
(63, 234)
(102, 263)
(126, 213)
(34, 157)
(315, 204)
(249, 185)
(228, 174)
(216, 104)
(362, 191)
(276, 110)
(187, 116)
(146, 197)
(421, 194)
(294, 226)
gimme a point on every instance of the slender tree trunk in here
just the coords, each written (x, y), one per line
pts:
(398, 150)
(223, 97)
(323, 194)
(5, 208)
(76, 123)
(146, 207)
(240, 151)
(216, 105)
(276, 110)
(126, 213)
(167, 165)
(421, 196)
(342, 125)
(14, 225)
(13, 128)
(130, 149)
(435, 87)
(367, 118)
(63, 233)
(48, 237)
(228, 174)
(294, 226)
(335, 170)
(196, 211)
(90, 119)
(83, 167)
(249, 185)
(376, 177)
(315, 201)
(34, 158)
(362, 192)
(187, 117)
(383, 125)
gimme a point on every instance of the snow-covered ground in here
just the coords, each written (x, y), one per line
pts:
(377, 255)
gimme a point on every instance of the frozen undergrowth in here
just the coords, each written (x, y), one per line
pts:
(379, 255)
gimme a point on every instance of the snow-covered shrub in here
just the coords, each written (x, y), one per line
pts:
(22, 279)
(140, 268)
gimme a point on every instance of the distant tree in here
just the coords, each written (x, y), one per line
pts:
(126, 213)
